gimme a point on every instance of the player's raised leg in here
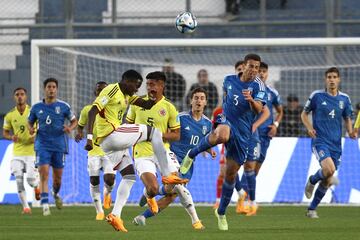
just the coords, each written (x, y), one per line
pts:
(128, 179)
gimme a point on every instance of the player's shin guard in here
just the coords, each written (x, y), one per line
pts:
(227, 191)
(251, 183)
(95, 195)
(203, 145)
(123, 193)
(318, 176)
(187, 202)
(319, 194)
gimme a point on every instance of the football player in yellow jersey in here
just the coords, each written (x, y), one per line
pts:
(115, 138)
(15, 129)
(97, 160)
(163, 116)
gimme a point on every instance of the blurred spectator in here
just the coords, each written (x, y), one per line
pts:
(210, 88)
(232, 7)
(239, 66)
(291, 125)
(175, 85)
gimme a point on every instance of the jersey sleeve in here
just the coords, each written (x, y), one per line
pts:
(104, 97)
(259, 92)
(32, 116)
(357, 122)
(69, 113)
(130, 116)
(309, 105)
(7, 122)
(174, 119)
(348, 110)
(83, 117)
(277, 101)
(133, 98)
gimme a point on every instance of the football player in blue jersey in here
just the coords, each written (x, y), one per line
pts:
(51, 142)
(328, 107)
(264, 129)
(244, 98)
(194, 126)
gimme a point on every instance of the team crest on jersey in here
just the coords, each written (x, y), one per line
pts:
(321, 153)
(104, 100)
(341, 104)
(57, 110)
(162, 112)
(204, 130)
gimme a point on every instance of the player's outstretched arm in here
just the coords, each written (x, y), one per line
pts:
(147, 104)
(90, 125)
(306, 121)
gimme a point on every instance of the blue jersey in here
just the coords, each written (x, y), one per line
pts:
(327, 114)
(51, 120)
(191, 132)
(273, 99)
(236, 109)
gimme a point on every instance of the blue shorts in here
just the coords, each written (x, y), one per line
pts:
(322, 152)
(54, 159)
(254, 148)
(236, 147)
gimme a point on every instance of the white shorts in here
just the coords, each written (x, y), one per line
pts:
(151, 164)
(125, 136)
(21, 164)
(97, 163)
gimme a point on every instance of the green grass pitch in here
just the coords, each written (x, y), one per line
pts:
(272, 222)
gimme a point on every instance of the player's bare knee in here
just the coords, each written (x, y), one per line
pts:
(129, 170)
(152, 190)
(109, 179)
(94, 180)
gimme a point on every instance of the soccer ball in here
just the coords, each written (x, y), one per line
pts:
(185, 22)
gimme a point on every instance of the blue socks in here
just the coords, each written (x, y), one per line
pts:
(44, 198)
(241, 184)
(148, 213)
(202, 146)
(227, 191)
(251, 183)
(318, 176)
(162, 191)
(319, 194)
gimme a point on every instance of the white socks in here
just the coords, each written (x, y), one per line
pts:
(95, 195)
(122, 194)
(160, 152)
(187, 202)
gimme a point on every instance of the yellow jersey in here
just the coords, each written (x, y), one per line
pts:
(18, 124)
(163, 116)
(112, 104)
(96, 151)
(357, 122)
